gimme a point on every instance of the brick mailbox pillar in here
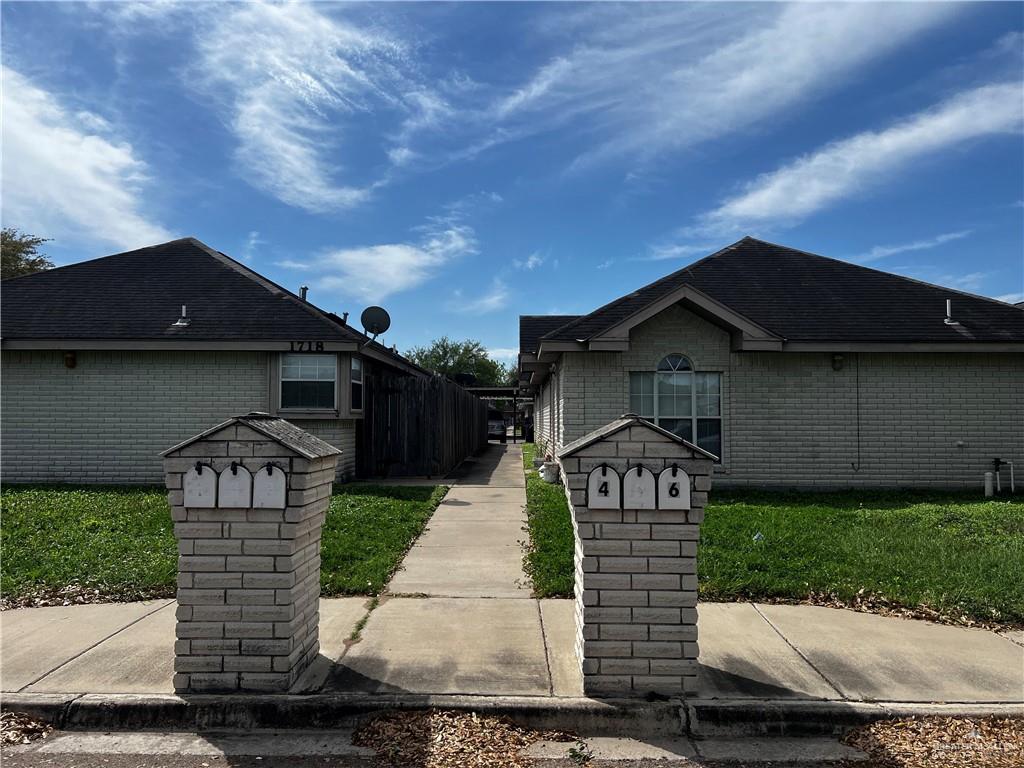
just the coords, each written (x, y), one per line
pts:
(248, 499)
(637, 494)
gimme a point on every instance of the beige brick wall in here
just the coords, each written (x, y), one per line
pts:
(789, 419)
(107, 419)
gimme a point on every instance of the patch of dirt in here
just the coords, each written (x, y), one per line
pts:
(77, 593)
(942, 742)
(871, 602)
(16, 728)
(444, 739)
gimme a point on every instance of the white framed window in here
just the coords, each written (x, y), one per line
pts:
(681, 400)
(356, 382)
(309, 382)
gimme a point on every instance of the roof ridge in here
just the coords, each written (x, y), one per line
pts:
(881, 272)
(269, 285)
(51, 270)
(667, 277)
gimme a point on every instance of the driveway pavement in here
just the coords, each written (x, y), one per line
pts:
(472, 628)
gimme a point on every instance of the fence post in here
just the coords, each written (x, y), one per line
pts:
(637, 495)
(248, 499)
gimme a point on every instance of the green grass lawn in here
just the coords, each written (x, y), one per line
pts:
(952, 552)
(120, 540)
(548, 560)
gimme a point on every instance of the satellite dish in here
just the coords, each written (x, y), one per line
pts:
(375, 321)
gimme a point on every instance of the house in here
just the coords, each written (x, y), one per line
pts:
(794, 369)
(107, 362)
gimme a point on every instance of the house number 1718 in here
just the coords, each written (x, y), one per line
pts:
(307, 346)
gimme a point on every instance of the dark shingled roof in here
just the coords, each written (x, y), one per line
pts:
(800, 296)
(138, 295)
(275, 428)
(532, 327)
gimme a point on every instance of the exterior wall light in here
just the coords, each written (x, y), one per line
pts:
(837, 362)
(70, 359)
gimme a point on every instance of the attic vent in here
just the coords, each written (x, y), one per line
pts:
(184, 321)
(949, 313)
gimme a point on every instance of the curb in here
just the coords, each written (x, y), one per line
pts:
(696, 718)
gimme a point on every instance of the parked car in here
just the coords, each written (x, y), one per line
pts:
(496, 426)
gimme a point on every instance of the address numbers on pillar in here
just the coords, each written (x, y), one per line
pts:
(639, 488)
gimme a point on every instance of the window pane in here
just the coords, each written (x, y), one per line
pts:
(708, 383)
(674, 362)
(307, 394)
(357, 369)
(709, 435)
(357, 397)
(641, 393)
(681, 427)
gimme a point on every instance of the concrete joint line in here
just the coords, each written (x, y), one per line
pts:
(98, 642)
(799, 653)
(547, 656)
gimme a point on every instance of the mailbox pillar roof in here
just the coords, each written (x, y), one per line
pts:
(280, 431)
(621, 423)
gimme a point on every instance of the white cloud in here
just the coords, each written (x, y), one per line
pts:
(496, 298)
(374, 272)
(606, 264)
(676, 251)
(291, 264)
(530, 263)
(883, 251)
(252, 242)
(292, 81)
(849, 166)
(503, 353)
(651, 78)
(66, 175)
(1011, 298)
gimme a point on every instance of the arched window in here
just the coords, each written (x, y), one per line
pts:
(680, 399)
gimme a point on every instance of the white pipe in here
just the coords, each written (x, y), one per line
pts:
(989, 491)
(1013, 489)
(999, 484)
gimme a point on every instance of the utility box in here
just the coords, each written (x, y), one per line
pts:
(248, 498)
(637, 495)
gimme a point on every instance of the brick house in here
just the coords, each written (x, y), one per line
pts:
(109, 361)
(794, 369)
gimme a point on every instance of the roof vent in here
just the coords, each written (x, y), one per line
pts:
(184, 321)
(949, 313)
(303, 290)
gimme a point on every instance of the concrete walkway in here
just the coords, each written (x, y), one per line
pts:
(471, 627)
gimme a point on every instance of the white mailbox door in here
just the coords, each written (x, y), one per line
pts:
(269, 489)
(200, 487)
(234, 488)
(604, 490)
(673, 489)
(638, 489)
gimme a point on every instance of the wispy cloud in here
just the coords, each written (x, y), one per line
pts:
(503, 353)
(652, 78)
(606, 264)
(252, 242)
(496, 298)
(847, 167)
(675, 251)
(883, 251)
(371, 273)
(291, 82)
(530, 263)
(68, 175)
(1011, 298)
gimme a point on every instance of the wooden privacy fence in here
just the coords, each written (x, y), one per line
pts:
(417, 426)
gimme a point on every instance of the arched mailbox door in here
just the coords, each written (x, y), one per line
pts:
(604, 490)
(234, 487)
(200, 486)
(638, 489)
(269, 488)
(673, 489)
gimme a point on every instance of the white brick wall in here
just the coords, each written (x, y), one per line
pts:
(789, 419)
(107, 419)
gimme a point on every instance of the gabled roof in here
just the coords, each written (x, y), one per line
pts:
(280, 431)
(138, 295)
(621, 423)
(803, 297)
(533, 327)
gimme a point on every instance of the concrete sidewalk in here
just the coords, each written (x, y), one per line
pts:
(458, 619)
(522, 647)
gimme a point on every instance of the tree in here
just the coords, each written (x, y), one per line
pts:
(452, 358)
(19, 254)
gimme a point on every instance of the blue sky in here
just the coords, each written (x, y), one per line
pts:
(462, 164)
